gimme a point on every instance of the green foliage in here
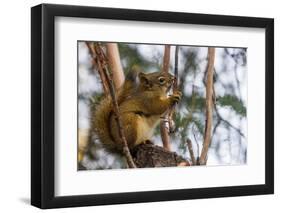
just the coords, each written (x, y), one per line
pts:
(194, 102)
(233, 102)
(191, 62)
(199, 124)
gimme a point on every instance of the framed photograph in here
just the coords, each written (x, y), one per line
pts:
(139, 106)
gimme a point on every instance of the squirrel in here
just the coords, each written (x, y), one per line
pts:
(142, 100)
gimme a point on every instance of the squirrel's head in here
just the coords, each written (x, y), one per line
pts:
(156, 81)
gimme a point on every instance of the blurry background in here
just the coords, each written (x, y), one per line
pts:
(229, 134)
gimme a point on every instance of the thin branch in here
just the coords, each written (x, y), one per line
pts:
(94, 62)
(175, 85)
(228, 123)
(164, 131)
(216, 126)
(102, 64)
(209, 106)
(115, 64)
(126, 150)
(167, 125)
(190, 149)
(164, 124)
(166, 59)
(175, 88)
(196, 141)
(220, 118)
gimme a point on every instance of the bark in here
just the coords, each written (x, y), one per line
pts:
(149, 155)
(209, 106)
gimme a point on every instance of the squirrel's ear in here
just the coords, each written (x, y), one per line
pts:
(143, 79)
(133, 74)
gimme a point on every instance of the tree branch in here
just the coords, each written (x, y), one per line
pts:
(220, 118)
(175, 85)
(102, 66)
(197, 145)
(175, 88)
(115, 64)
(209, 106)
(149, 155)
(164, 130)
(164, 124)
(166, 58)
(94, 62)
(190, 149)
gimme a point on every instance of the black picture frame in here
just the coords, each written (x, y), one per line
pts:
(43, 105)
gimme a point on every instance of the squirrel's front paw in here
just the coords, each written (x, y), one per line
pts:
(175, 98)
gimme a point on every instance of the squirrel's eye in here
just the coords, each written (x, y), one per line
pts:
(161, 80)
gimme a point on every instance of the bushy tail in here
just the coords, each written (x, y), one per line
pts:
(100, 123)
(103, 112)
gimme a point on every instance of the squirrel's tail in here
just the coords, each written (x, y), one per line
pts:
(100, 123)
(103, 112)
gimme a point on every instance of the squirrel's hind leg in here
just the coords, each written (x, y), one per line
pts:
(129, 124)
